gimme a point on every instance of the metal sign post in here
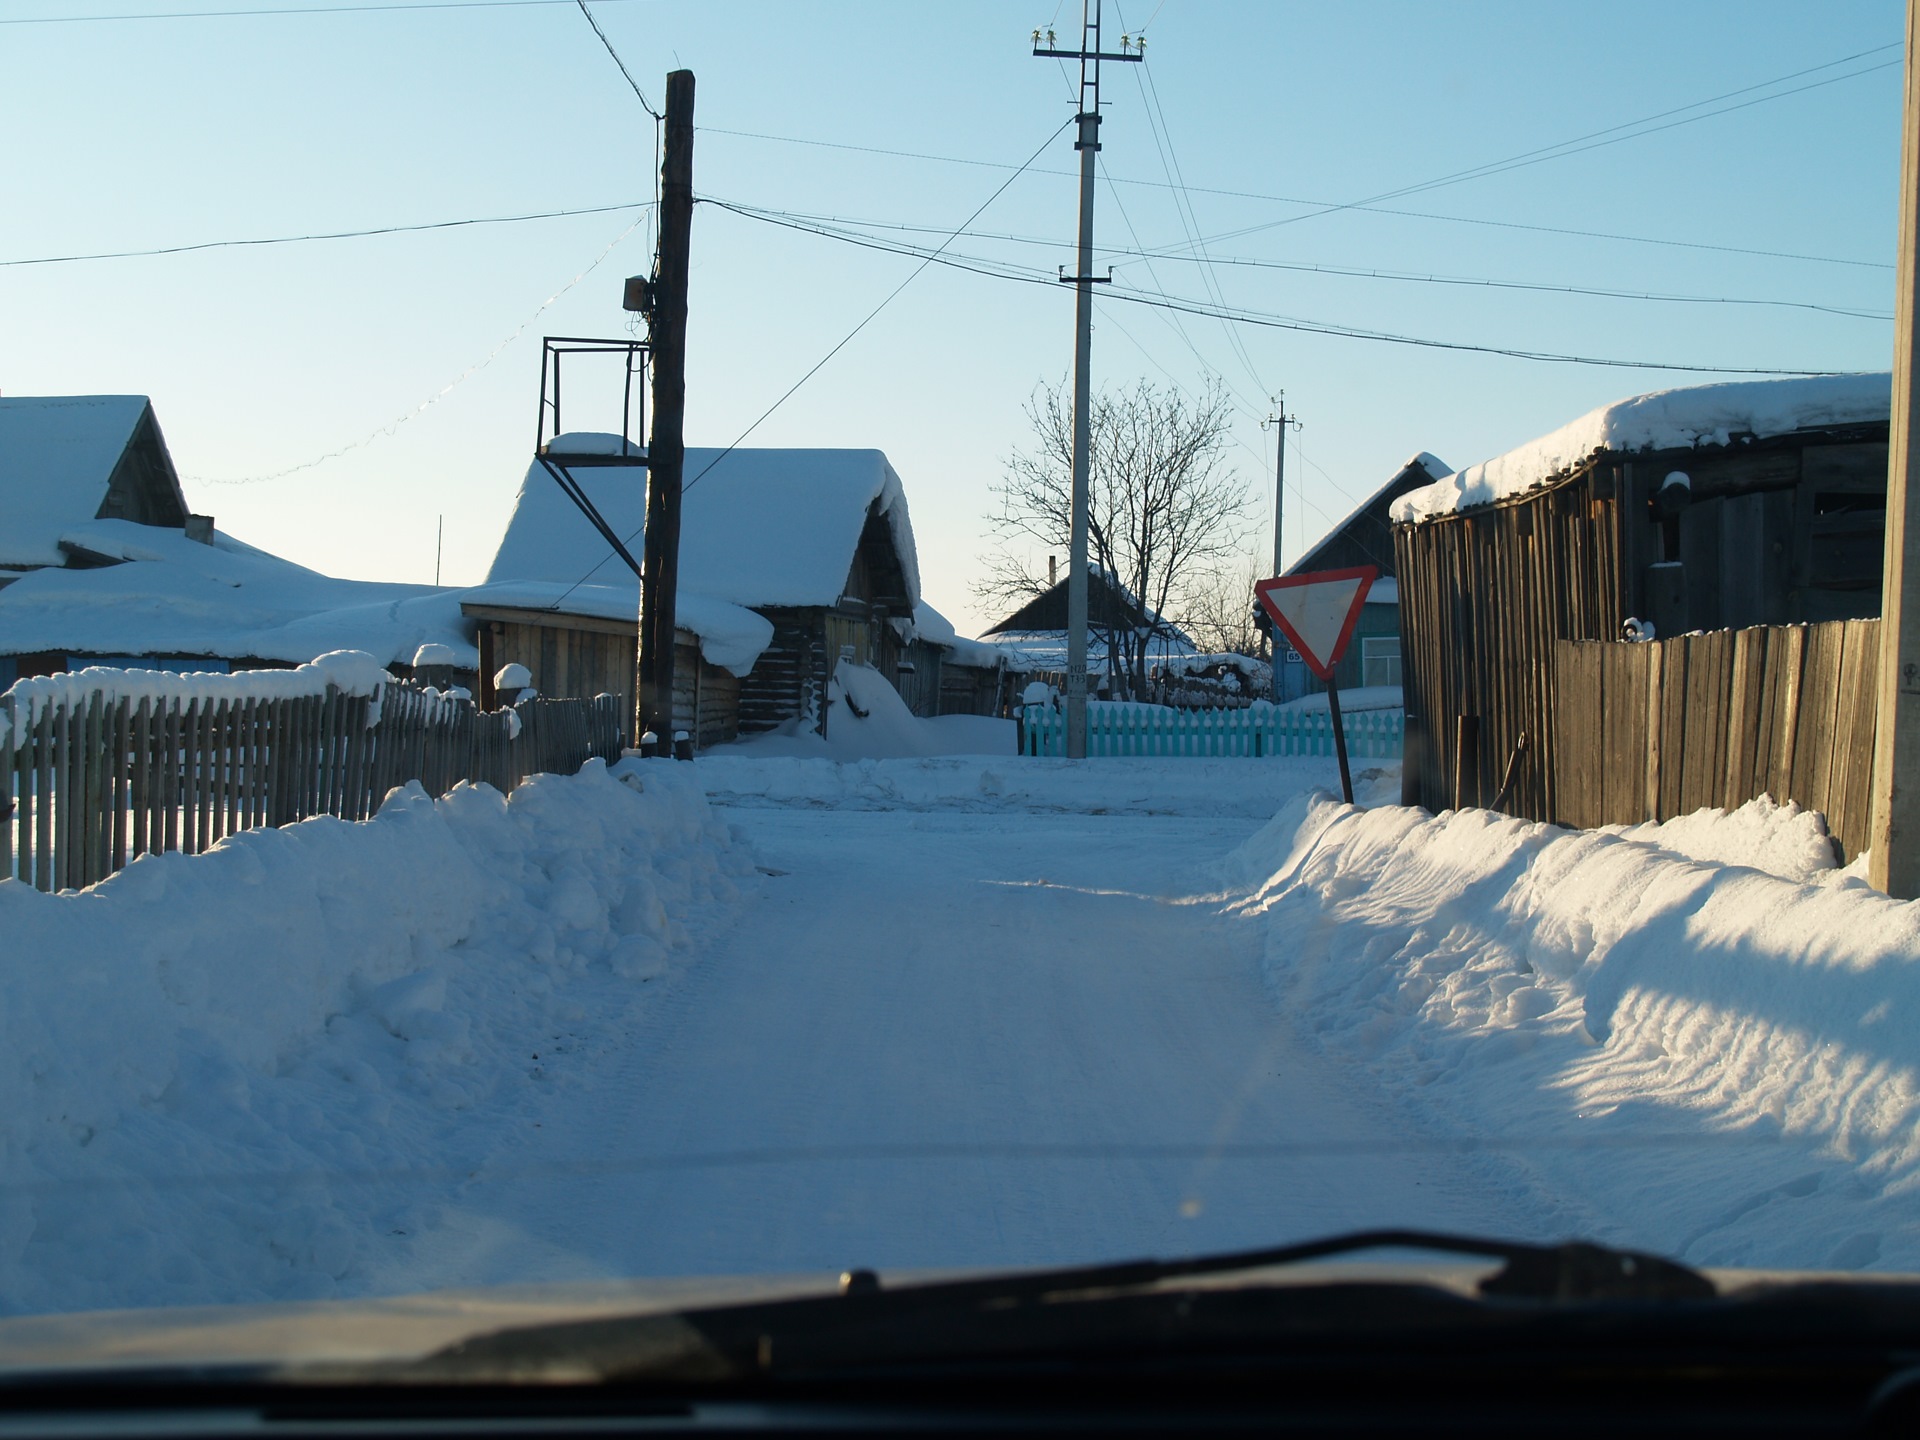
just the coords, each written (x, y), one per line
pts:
(1317, 612)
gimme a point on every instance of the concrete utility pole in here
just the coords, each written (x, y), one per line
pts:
(666, 447)
(1088, 144)
(1279, 423)
(1896, 752)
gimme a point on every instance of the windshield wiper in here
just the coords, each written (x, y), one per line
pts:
(1087, 1309)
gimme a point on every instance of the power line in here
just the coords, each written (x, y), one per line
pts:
(296, 10)
(392, 425)
(819, 364)
(1300, 200)
(328, 235)
(1281, 322)
(644, 105)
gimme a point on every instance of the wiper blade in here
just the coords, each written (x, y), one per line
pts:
(1028, 1312)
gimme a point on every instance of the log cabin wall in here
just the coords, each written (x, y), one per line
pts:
(1780, 531)
(568, 655)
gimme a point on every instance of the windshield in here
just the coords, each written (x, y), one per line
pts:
(977, 730)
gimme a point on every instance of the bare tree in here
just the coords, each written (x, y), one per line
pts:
(1165, 510)
(1219, 614)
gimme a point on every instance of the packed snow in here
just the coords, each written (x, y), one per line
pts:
(219, 1071)
(1663, 420)
(1692, 1056)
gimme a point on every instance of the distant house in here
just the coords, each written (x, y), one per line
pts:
(791, 561)
(1365, 537)
(102, 564)
(1713, 508)
(1035, 635)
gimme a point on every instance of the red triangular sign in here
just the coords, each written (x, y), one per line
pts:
(1318, 611)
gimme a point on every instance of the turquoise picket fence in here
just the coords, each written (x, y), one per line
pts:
(1120, 728)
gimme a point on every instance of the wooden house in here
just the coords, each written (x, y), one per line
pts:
(101, 563)
(791, 561)
(1718, 508)
(1037, 633)
(1365, 537)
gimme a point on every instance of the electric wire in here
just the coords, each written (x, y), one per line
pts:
(819, 364)
(1190, 306)
(292, 10)
(393, 425)
(635, 84)
(1563, 230)
(328, 235)
(1140, 253)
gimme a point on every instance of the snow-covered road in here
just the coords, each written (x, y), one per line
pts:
(942, 1038)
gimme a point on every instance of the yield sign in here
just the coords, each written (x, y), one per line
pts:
(1318, 611)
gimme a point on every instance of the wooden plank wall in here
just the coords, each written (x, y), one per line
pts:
(1484, 598)
(1716, 719)
(88, 785)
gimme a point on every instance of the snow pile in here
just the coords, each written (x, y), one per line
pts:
(1782, 840)
(867, 720)
(352, 672)
(1008, 784)
(1352, 702)
(757, 527)
(1696, 1058)
(1663, 420)
(57, 454)
(221, 1072)
(175, 596)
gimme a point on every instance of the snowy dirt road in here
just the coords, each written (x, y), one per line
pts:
(943, 1038)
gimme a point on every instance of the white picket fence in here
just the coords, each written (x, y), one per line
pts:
(1119, 728)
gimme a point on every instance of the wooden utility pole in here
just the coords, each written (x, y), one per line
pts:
(1896, 752)
(666, 447)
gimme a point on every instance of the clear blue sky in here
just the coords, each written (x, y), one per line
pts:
(129, 134)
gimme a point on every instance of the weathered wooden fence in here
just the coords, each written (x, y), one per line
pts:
(94, 778)
(1116, 728)
(1655, 730)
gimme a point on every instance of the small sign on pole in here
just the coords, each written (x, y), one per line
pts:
(1317, 612)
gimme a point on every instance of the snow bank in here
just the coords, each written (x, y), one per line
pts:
(867, 720)
(1698, 1058)
(1662, 420)
(220, 1072)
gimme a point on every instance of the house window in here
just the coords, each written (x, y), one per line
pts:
(1380, 660)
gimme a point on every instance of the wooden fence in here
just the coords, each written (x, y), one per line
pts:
(1116, 728)
(1651, 731)
(90, 780)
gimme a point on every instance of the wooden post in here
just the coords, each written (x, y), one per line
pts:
(1895, 839)
(666, 449)
(1466, 762)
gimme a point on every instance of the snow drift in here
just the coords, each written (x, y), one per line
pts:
(216, 1070)
(1719, 1063)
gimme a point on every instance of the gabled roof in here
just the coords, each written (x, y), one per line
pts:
(58, 458)
(757, 527)
(1109, 606)
(1365, 537)
(1696, 416)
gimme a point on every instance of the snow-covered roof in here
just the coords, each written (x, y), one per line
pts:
(1660, 420)
(1047, 649)
(934, 628)
(176, 596)
(57, 455)
(757, 527)
(731, 636)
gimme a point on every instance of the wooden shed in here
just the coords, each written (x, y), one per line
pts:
(1709, 509)
(790, 562)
